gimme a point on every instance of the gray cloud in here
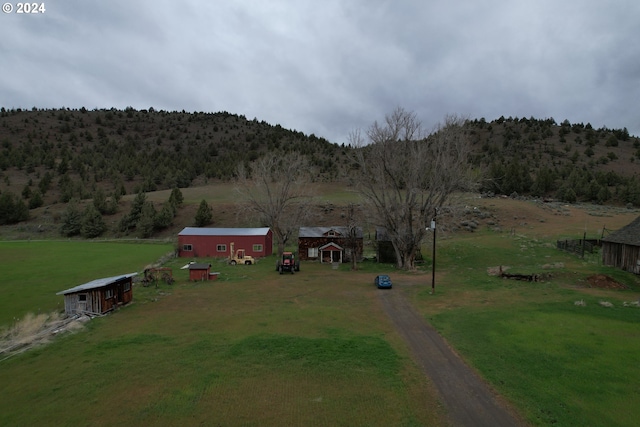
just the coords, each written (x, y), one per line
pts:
(330, 67)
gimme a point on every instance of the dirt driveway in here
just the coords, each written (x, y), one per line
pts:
(466, 397)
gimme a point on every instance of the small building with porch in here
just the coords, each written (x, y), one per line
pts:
(99, 296)
(328, 244)
(621, 248)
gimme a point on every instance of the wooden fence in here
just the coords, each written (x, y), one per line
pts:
(578, 246)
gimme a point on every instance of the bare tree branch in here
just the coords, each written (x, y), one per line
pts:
(404, 176)
(277, 190)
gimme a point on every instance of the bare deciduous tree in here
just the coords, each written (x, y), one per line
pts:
(352, 237)
(277, 190)
(405, 175)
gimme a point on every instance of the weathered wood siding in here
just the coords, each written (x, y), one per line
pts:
(97, 300)
(620, 255)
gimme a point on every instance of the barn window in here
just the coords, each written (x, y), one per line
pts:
(221, 248)
(82, 297)
(188, 248)
(108, 293)
(313, 252)
(257, 248)
(127, 286)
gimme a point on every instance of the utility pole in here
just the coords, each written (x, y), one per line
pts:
(433, 266)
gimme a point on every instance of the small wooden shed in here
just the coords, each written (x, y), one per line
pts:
(621, 248)
(99, 296)
(199, 271)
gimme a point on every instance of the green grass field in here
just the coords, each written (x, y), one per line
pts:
(560, 363)
(252, 348)
(315, 348)
(32, 272)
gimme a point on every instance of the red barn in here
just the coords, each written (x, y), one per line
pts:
(216, 242)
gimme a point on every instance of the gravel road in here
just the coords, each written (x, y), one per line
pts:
(467, 398)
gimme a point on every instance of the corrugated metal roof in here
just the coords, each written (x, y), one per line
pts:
(205, 231)
(98, 283)
(321, 231)
(627, 235)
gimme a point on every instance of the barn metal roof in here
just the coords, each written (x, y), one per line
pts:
(627, 235)
(321, 231)
(205, 231)
(98, 283)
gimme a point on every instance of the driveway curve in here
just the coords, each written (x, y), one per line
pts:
(467, 398)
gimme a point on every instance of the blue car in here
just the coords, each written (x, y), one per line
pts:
(382, 281)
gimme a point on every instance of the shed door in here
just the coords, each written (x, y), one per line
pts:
(82, 303)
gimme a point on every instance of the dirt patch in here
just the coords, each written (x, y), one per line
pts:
(603, 281)
(35, 330)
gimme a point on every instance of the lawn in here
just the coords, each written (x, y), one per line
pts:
(315, 348)
(252, 348)
(558, 362)
(32, 272)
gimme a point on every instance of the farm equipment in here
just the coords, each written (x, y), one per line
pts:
(239, 256)
(288, 263)
(155, 274)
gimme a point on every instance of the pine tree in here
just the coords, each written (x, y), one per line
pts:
(204, 216)
(36, 200)
(100, 200)
(71, 221)
(164, 217)
(93, 224)
(12, 209)
(176, 199)
(146, 223)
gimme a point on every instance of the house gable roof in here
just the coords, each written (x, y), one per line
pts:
(333, 247)
(340, 231)
(98, 283)
(627, 235)
(206, 231)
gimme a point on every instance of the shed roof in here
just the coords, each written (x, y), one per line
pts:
(207, 231)
(98, 283)
(627, 235)
(382, 235)
(322, 231)
(199, 266)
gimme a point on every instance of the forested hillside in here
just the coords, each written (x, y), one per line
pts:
(570, 162)
(57, 156)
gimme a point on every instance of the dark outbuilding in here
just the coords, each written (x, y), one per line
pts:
(622, 248)
(99, 296)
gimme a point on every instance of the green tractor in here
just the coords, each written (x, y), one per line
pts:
(288, 263)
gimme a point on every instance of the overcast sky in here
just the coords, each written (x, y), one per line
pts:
(328, 67)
